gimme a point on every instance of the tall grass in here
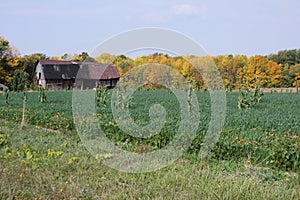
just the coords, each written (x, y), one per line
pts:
(39, 164)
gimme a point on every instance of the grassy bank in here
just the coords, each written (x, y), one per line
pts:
(39, 164)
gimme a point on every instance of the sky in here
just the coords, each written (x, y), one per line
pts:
(56, 27)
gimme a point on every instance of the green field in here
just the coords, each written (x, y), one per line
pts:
(256, 157)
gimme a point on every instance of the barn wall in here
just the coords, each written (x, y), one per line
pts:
(84, 84)
(56, 84)
(40, 75)
(109, 83)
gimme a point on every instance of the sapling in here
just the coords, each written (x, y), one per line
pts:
(22, 126)
(123, 100)
(6, 95)
(243, 99)
(248, 99)
(42, 95)
(101, 97)
(190, 89)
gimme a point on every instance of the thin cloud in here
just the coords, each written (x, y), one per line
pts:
(185, 9)
(46, 9)
(168, 14)
(162, 14)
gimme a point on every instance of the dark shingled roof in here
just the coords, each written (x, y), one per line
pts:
(56, 69)
(58, 62)
(89, 70)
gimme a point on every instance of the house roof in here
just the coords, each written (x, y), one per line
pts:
(55, 69)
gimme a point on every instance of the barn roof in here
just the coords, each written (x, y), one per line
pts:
(89, 70)
(58, 62)
(56, 69)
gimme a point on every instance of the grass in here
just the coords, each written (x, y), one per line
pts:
(38, 164)
(257, 156)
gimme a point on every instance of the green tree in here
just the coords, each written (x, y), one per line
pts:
(19, 80)
(290, 57)
(287, 79)
(84, 57)
(28, 64)
(65, 56)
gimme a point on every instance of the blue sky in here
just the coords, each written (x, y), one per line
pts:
(56, 27)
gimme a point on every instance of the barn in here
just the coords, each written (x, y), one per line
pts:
(57, 74)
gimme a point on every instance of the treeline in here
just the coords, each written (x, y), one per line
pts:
(274, 70)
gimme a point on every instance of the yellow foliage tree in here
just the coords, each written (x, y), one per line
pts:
(274, 74)
(256, 71)
(239, 63)
(296, 82)
(186, 70)
(105, 58)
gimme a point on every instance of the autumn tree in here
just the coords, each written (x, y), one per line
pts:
(123, 64)
(295, 73)
(225, 64)
(105, 58)
(256, 71)
(56, 58)
(186, 69)
(239, 63)
(9, 61)
(274, 74)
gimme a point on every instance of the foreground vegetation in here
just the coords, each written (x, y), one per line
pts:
(268, 133)
(43, 164)
(257, 156)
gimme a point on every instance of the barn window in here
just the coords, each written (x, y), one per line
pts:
(40, 74)
(56, 68)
